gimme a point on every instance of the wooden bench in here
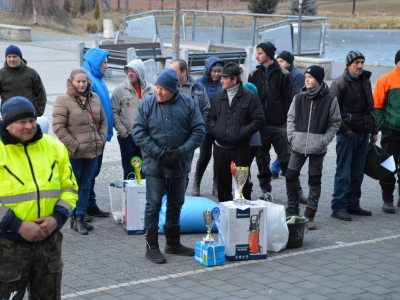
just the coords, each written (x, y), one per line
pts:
(122, 54)
(196, 61)
(15, 33)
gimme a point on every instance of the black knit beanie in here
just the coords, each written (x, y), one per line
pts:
(287, 56)
(317, 72)
(268, 48)
(17, 108)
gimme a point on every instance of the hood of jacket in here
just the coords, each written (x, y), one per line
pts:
(209, 63)
(93, 59)
(71, 90)
(138, 66)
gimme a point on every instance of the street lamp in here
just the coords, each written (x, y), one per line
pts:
(299, 28)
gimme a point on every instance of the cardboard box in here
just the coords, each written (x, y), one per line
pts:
(209, 254)
(133, 205)
(244, 229)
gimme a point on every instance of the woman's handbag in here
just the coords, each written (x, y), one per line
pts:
(373, 167)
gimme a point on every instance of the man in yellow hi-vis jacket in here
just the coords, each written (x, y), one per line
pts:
(38, 191)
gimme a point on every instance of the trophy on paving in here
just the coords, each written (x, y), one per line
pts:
(239, 175)
(209, 221)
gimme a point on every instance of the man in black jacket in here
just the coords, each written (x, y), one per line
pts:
(275, 89)
(235, 115)
(358, 128)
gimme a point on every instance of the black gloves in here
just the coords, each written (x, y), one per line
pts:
(171, 158)
(166, 161)
(175, 154)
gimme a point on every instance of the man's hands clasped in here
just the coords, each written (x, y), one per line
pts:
(171, 158)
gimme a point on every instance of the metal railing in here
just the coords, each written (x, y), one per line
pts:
(254, 18)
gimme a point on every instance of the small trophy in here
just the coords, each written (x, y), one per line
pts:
(209, 220)
(240, 176)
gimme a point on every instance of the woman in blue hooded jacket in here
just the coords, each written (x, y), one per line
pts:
(95, 64)
(212, 83)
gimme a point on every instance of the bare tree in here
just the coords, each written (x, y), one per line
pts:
(34, 8)
(48, 9)
(176, 29)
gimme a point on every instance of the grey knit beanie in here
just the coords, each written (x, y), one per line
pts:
(353, 56)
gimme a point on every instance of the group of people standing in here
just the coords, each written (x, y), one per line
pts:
(297, 114)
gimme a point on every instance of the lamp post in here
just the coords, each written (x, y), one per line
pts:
(299, 28)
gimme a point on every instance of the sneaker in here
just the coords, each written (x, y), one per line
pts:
(310, 225)
(97, 213)
(388, 208)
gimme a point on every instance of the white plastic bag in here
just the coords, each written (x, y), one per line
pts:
(115, 191)
(277, 229)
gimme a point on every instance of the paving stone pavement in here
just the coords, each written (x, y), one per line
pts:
(340, 260)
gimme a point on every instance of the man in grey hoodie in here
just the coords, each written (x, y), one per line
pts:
(125, 102)
(313, 120)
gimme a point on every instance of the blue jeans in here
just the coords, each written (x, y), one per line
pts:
(84, 170)
(92, 196)
(155, 189)
(128, 150)
(351, 152)
(275, 167)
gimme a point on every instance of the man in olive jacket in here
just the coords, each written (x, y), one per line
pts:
(17, 79)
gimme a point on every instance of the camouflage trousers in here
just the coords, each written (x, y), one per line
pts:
(36, 268)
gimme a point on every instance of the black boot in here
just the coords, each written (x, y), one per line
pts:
(310, 214)
(293, 200)
(79, 225)
(173, 242)
(153, 252)
(196, 185)
(87, 225)
(215, 188)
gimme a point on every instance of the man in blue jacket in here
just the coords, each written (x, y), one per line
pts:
(168, 128)
(95, 63)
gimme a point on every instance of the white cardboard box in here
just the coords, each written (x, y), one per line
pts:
(133, 205)
(244, 229)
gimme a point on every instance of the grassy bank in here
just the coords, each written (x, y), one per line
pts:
(369, 14)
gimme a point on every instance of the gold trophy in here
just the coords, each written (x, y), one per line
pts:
(209, 220)
(240, 176)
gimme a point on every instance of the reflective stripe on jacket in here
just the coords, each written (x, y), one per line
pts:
(34, 178)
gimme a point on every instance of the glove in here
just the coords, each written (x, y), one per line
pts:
(166, 161)
(175, 154)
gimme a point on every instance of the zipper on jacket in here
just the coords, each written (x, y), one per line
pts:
(34, 179)
(70, 175)
(308, 127)
(52, 169)
(13, 175)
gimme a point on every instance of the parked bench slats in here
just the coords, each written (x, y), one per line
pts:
(196, 60)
